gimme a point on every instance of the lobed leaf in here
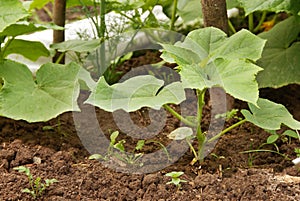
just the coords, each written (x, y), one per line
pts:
(54, 91)
(281, 56)
(135, 93)
(269, 115)
(291, 6)
(208, 58)
(11, 11)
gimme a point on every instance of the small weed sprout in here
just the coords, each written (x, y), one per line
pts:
(175, 178)
(37, 187)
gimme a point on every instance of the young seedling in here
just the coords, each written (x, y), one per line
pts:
(37, 187)
(175, 178)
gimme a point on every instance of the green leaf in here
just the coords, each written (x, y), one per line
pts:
(237, 77)
(11, 11)
(272, 139)
(24, 27)
(140, 144)
(30, 49)
(281, 56)
(189, 10)
(292, 6)
(77, 45)
(54, 91)
(38, 4)
(291, 134)
(113, 137)
(174, 174)
(269, 115)
(135, 93)
(180, 133)
(96, 157)
(208, 58)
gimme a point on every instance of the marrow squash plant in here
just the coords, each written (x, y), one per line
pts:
(206, 58)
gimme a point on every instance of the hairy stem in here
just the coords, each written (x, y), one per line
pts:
(178, 116)
(200, 135)
(226, 130)
(250, 22)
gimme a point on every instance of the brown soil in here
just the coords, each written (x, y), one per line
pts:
(225, 174)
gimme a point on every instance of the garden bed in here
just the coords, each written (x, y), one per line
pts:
(225, 174)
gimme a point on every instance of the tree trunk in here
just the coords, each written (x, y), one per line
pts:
(59, 18)
(215, 14)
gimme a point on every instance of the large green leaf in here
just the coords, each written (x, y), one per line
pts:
(269, 115)
(135, 93)
(11, 11)
(54, 91)
(281, 55)
(189, 10)
(292, 6)
(29, 49)
(208, 58)
(21, 28)
(77, 45)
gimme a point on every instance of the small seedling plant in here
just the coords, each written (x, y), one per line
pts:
(175, 176)
(37, 187)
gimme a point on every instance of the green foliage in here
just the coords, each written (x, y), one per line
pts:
(281, 55)
(208, 58)
(40, 99)
(175, 178)
(11, 11)
(269, 115)
(37, 187)
(291, 6)
(135, 93)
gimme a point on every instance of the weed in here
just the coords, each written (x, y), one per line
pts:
(175, 178)
(37, 187)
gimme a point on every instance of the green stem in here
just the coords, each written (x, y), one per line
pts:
(250, 22)
(173, 18)
(178, 116)
(61, 56)
(261, 21)
(226, 130)
(200, 135)
(102, 37)
(192, 148)
(231, 27)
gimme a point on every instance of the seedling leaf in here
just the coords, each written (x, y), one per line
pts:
(272, 138)
(269, 115)
(135, 93)
(181, 133)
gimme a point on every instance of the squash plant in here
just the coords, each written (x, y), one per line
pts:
(52, 91)
(206, 58)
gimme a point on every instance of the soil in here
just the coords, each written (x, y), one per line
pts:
(60, 149)
(62, 152)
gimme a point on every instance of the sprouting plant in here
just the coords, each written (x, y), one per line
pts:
(286, 136)
(37, 187)
(175, 178)
(297, 151)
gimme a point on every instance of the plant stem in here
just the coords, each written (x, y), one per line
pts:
(102, 37)
(200, 135)
(262, 19)
(178, 116)
(192, 148)
(173, 18)
(250, 22)
(226, 130)
(231, 27)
